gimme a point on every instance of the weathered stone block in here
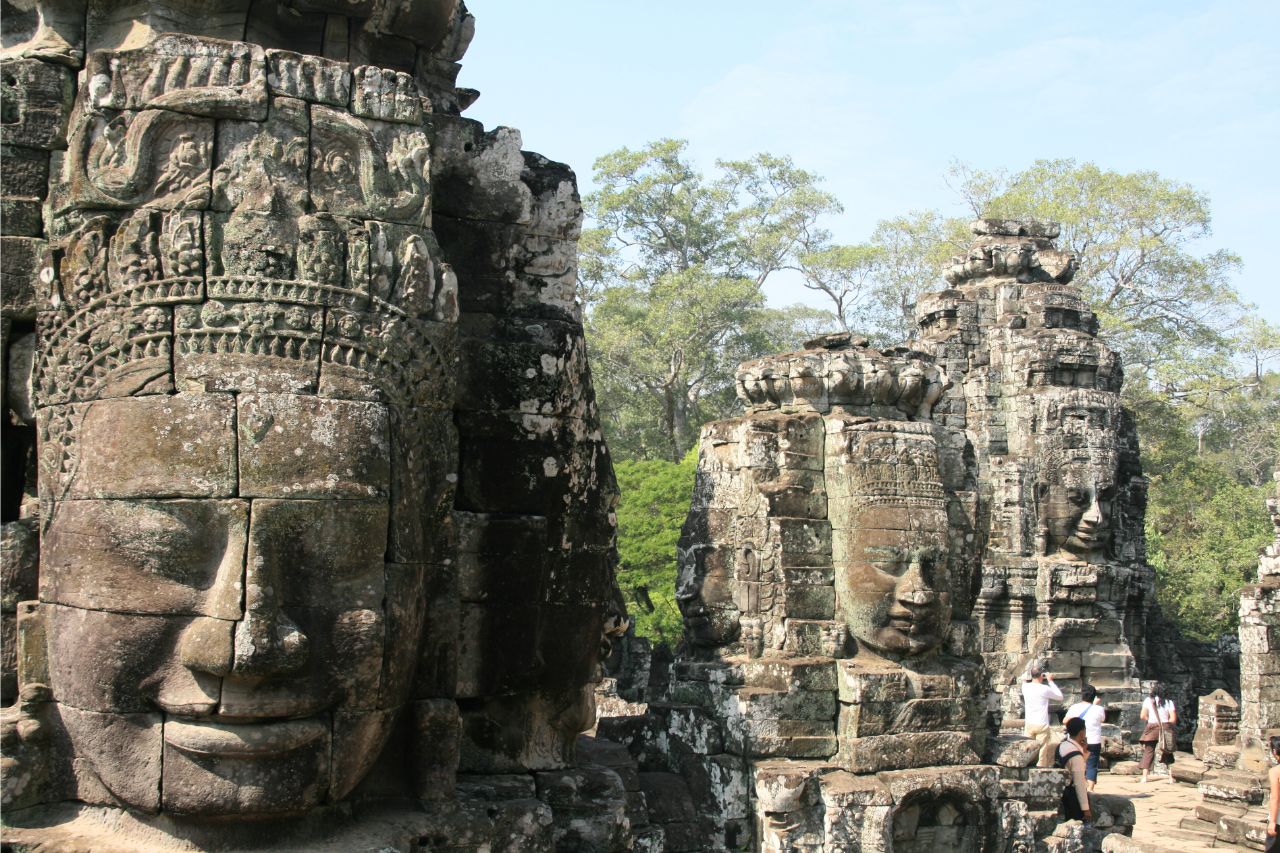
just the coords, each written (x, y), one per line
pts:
(1234, 787)
(494, 652)
(207, 770)
(480, 178)
(811, 602)
(919, 749)
(120, 556)
(20, 216)
(21, 262)
(37, 98)
(1014, 751)
(789, 738)
(438, 728)
(120, 756)
(320, 553)
(19, 563)
(310, 78)
(176, 446)
(785, 674)
(297, 446)
(696, 729)
(117, 672)
(858, 684)
(761, 703)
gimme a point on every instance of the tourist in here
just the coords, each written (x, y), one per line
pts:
(1161, 716)
(1070, 756)
(1273, 808)
(1036, 695)
(1091, 710)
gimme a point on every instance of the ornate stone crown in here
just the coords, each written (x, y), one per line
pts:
(891, 463)
(1021, 250)
(296, 261)
(839, 370)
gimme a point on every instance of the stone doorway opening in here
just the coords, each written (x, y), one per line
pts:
(928, 821)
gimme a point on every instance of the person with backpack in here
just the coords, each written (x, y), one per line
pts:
(1161, 716)
(1091, 710)
(1070, 756)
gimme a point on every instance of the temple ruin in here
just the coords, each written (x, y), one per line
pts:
(308, 535)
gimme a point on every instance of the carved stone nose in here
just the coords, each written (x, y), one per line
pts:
(912, 588)
(268, 644)
(267, 641)
(1093, 515)
(918, 596)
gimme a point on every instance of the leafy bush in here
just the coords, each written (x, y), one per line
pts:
(654, 503)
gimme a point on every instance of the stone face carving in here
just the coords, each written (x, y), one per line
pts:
(321, 506)
(258, 506)
(1063, 577)
(876, 551)
(889, 534)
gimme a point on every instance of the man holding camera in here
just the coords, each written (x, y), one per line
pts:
(1037, 692)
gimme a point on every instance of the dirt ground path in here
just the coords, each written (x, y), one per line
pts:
(1166, 815)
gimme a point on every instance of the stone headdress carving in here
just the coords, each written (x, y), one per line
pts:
(841, 371)
(215, 275)
(891, 463)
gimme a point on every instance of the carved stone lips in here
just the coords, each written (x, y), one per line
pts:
(902, 620)
(243, 740)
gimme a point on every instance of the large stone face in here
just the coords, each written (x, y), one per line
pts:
(1063, 577)
(302, 356)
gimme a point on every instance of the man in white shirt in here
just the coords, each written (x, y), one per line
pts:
(1090, 710)
(1037, 693)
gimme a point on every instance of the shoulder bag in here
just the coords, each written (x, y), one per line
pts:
(1168, 739)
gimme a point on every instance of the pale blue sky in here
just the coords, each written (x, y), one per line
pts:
(879, 97)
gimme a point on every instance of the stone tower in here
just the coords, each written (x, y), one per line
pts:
(876, 551)
(1063, 576)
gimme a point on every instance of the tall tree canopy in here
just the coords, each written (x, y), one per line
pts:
(1167, 306)
(655, 501)
(672, 273)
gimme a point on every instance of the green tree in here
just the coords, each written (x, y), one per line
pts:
(1209, 456)
(655, 500)
(672, 273)
(912, 251)
(1204, 532)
